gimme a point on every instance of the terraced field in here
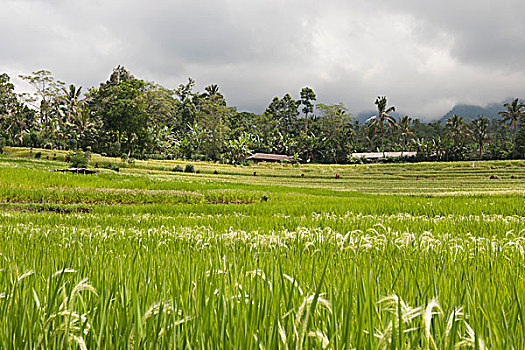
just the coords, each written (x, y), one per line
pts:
(427, 255)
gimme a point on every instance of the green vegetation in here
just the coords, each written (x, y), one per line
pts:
(130, 118)
(426, 255)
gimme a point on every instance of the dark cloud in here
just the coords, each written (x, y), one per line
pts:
(425, 56)
(484, 32)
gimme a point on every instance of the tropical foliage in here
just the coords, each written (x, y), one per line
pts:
(128, 117)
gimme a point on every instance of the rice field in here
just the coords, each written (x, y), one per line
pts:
(267, 256)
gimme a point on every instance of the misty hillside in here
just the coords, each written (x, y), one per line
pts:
(472, 111)
(463, 110)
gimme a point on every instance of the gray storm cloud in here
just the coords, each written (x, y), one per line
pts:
(425, 56)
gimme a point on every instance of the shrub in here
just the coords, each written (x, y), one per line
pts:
(2, 144)
(38, 155)
(178, 169)
(78, 159)
(114, 149)
(189, 168)
(72, 144)
(111, 167)
(33, 139)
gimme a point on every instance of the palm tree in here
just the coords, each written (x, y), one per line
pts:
(515, 111)
(211, 90)
(479, 128)
(212, 94)
(382, 118)
(456, 128)
(71, 107)
(404, 130)
(81, 124)
(439, 146)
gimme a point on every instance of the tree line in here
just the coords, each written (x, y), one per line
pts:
(132, 118)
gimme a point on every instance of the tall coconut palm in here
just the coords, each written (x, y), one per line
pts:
(212, 94)
(456, 128)
(515, 111)
(404, 130)
(70, 108)
(82, 124)
(383, 119)
(479, 131)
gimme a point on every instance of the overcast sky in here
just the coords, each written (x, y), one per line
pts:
(424, 55)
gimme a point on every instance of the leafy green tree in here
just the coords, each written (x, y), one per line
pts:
(204, 114)
(162, 109)
(479, 132)
(515, 111)
(336, 129)
(45, 99)
(307, 100)
(16, 119)
(285, 111)
(121, 105)
(241, 122)
(427, 130)
(8, 99)
(161, 105)
(212, 117)
(383, 120)
(519, 140)
(8, 105)
(265, 126)
(187, 110)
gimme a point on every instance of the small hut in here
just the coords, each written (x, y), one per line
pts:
(266, 157)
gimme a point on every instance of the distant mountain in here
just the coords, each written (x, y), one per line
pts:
(473, 111)
(463, 110)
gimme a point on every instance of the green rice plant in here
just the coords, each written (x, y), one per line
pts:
(148, 258)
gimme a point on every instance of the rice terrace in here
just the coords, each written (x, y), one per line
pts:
(378, 256)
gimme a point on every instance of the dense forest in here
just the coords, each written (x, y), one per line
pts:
(136, 119)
